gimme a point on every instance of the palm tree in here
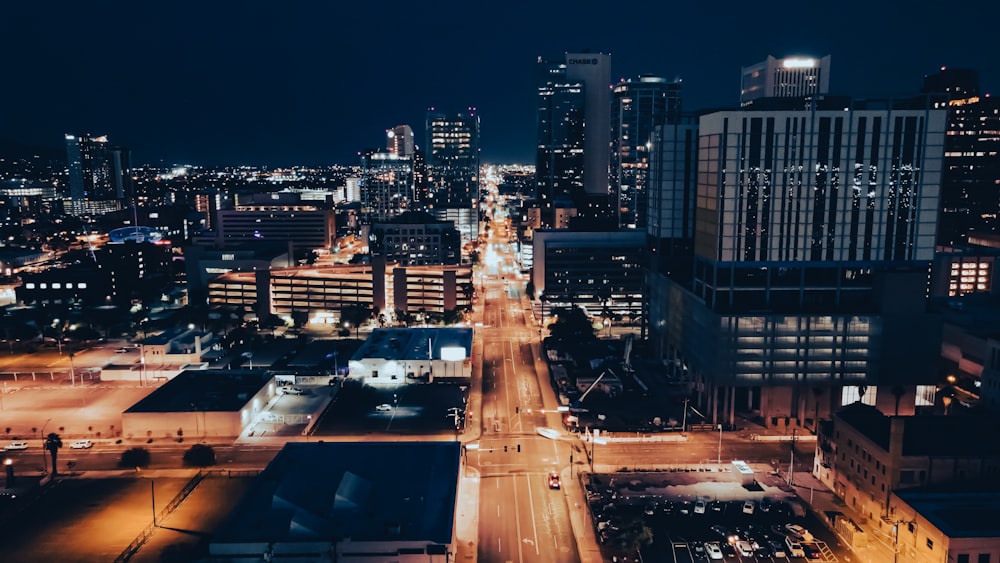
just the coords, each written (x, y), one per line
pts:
(52, 443)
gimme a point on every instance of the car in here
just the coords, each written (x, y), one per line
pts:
(699, 550)
(383, 407)
(798, 532)
(778, 548)
(553, 480)
(699, 506)
(728, 550)
(17, 446)
(727, 535)
(292, 391)
(794, 548)
(81, 445)
(122, 351)
(812, 551)
(713, 550)
(744, 548)
(765, 504)
(748, 507)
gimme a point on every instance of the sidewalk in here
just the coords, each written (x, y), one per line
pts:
(579, 517)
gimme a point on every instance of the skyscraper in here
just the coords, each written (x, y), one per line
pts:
(573, 126)
(99, 175)
(399, 140)
(453, 157)
(637, 108)
(386, 186)
(790, 77)
(814, 231)
(970, 183)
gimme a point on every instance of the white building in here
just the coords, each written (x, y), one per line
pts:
(396, 356)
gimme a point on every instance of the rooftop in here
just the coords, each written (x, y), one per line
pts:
(204, 390)
(926, 435)
(413, 343)
(964, 514)
(327, 491)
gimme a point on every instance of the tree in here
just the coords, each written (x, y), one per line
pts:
(355, 316)
(52, 443)
(199, 455)
(134, 457)
(572, 325)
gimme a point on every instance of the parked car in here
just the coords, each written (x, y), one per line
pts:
(794, 547)
(812, 552)
(384, 407)
(748, 507)
(81, 445)
(778, 548)
(292, 391)
(713, 550)
(553, 480)
(699, 506)
(744, 548)
(17, 446)
(798, 532)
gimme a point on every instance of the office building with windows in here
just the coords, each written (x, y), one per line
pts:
(100, 175)
(416, 238)
(814, 231)
(452, 160)
(387, 185)
(790, 77)
(399, 141)
(638, 107)
(970, 181)
(573, 126)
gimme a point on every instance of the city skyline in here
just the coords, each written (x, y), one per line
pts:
(317, 85)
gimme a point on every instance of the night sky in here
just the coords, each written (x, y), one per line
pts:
(314, 82)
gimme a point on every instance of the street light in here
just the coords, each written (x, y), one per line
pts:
(152, 492)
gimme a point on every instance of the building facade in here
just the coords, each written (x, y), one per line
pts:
(814, 232)
(573, 126)
(638, 107)
(100, 175)
(415, 239)
(970, 180)
(790, 77)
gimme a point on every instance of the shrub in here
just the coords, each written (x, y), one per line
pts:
(134, 457)
(199, 455)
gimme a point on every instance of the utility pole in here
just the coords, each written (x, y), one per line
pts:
(791, 462)
(684, 418)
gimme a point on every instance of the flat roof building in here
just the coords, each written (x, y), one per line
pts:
(392, 356)
(201, 403)
(351, 500)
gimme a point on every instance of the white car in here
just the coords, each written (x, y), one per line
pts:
(699, 506)
(748, 507)
(713, 550)
(798, 532)
(292, 391)
(17, 446)
(744, 548)
(384, 407)
(81, 445)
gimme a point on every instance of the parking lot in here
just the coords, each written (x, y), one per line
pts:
(405, 410)
(702, 515)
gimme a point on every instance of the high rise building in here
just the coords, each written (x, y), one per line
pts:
(100, 175)
(791, 77)
(970, 182)
(386, 186)
(637, 108)
(452, 169)
(814, 230)
(452, 152)
(573, 126)
(399, 140)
